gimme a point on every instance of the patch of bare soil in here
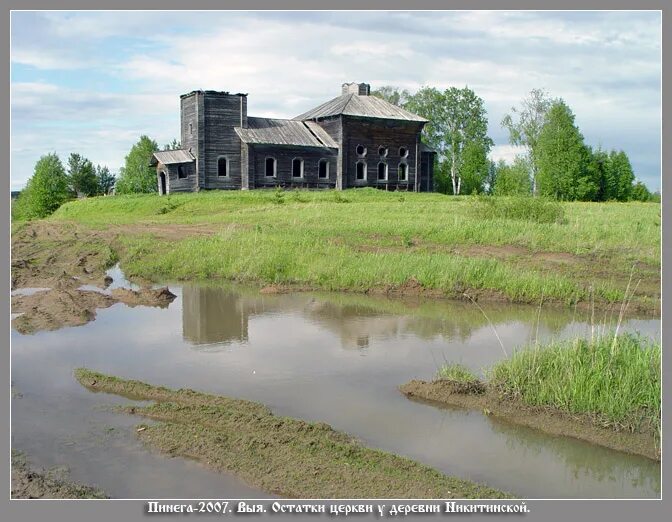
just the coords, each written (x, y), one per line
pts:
(59, 307)
(62, 257)
(30, 483)
(290, 457)
(548, 420)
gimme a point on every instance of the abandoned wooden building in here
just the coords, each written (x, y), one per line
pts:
(353, 140)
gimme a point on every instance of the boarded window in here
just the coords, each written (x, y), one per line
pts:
(323, 169)
(222, 167)
(403, 172)
(270, 167)
(361, 170)
(382, 170)
(297, 168)
(181, 172)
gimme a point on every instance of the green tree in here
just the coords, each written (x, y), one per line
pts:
(82, 176)
(524, 125)
(514, 180)
(46, 190)
(394, 95)
(563, 158)
(599, 170)
(105, 179)
(475, 168)
(622, 175)
(173, 145)
(640, 192)
(136, 176)
(491, 178)
(457, 122)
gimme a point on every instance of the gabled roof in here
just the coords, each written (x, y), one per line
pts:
(170, 157)
(285, 132)
(363, 106)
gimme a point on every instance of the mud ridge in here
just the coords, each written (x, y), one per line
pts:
(30, 483)
(548, 420)
(281, 455)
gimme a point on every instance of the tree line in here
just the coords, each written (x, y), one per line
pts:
(54, 183)
(556, 162)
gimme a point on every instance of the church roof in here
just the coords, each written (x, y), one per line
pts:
(170, 157)
(272, 131)
(362, 106)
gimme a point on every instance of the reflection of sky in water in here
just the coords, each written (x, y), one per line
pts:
(334, 358)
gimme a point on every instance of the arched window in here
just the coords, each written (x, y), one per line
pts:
(181, 172)
(222, 166)
(361, 150)
(323, 169)
(297, 168)
(403, 172)
(382, 151)
(382, 171)
(270, 167)
(361, 170)
(403, 152)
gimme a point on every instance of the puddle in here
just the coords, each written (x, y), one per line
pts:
(323, 357)
(28, 291)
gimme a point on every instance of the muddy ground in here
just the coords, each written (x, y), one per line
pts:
(31, 483)
(61, 260)
(62, 257)
(281, 455)
(479, 396)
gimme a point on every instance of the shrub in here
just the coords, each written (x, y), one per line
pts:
(521, 208)
(45, 191)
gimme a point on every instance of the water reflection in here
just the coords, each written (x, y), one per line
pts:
(215, 315)
(336, 358)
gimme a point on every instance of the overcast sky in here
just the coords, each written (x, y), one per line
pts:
(93, 82)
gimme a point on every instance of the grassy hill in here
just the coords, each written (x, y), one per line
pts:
(389, 242)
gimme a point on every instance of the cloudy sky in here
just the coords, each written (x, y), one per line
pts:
(93, 82)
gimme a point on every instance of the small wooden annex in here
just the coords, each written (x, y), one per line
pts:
(353, 140)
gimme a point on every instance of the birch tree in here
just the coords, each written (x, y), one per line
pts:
(524, 125)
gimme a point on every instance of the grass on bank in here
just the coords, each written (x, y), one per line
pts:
(613, 379)
(281, 455)
(360, 239)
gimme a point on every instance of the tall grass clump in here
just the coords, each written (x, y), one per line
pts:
(458, 373)
(615, 379)
(521, 208)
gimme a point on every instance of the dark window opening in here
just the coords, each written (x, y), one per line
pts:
(297, 168)
(382, 170)
(361, 150)
(191, 128)
(270, 167)
(403, 152)
(222, 167)
(403, 171)
(382, 151)
(361, 170)
(323, 169)
(181, 172)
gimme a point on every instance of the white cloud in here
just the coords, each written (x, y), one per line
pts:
(507, 153)
(605, 65)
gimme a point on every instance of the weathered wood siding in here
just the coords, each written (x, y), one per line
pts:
(191, 135)
(372, 134)
(427, 172)
(173, 182)
(284, 157)
(334, 127)
(222, 114)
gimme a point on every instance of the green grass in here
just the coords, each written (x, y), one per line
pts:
(458, 373)
(536, 210)
(618, 381)
(366, 238)
(286, 456)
